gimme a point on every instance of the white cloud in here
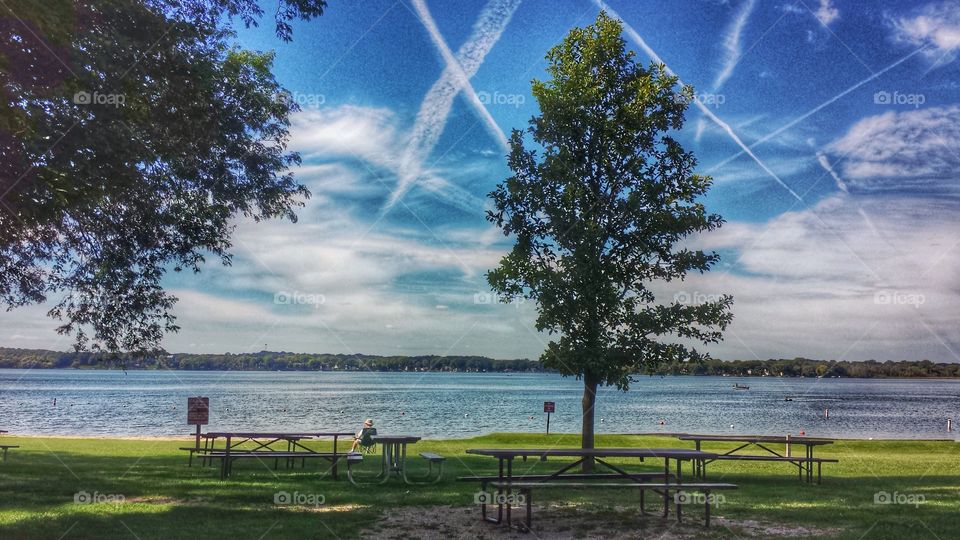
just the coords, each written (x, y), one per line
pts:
(824, 162)
(935, 26)
(911, 149)
(372, 137)
(826, 13)
(350, 132)
(825, 282)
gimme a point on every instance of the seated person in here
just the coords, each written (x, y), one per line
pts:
(364, 437)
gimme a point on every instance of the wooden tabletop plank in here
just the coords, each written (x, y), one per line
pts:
(257, 435)
(756, 438)
(673, 453)
(408, 439)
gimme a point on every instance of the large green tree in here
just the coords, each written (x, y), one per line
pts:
(600, 206)
(131, 133)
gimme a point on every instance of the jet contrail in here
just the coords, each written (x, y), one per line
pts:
(436, 106)
(703, 108)
(816, 109)
(462, 78)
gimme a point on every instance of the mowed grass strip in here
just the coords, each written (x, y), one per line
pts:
(111, 488)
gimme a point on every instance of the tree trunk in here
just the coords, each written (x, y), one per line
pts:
(586, 434)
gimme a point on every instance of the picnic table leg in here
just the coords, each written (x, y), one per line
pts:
(696, 463)
(403, 464)
(385, 463)
(225, 460)
(528, 496)
(666, 491)
(706, 511)
(679, 483)
(500, 481)
(509, 489)
(334, 468)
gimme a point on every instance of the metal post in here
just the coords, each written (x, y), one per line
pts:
(548, 424)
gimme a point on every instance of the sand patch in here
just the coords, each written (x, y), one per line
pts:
(568, 522)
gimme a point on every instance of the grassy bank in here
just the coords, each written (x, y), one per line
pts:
(163, 498)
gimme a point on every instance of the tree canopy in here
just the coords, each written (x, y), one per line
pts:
(600, 205)
(131, 133)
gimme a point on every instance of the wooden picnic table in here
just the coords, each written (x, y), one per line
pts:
(506, 477)
(393, 459)
(6, 447)
(804, 464)
(263, 446)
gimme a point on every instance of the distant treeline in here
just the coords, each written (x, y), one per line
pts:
(287, 361)
(260, 361)
(805, 367)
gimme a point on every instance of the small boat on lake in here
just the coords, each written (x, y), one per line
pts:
(738, 386)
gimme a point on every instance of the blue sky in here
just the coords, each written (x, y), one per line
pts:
(829, 126)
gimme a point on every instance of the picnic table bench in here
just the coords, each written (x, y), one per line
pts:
(803, 463)
(6, 447)
(665, 483)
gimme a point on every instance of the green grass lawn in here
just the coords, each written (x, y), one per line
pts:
(163, 498)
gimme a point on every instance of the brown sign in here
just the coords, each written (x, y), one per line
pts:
(198, 410)
(549, 406)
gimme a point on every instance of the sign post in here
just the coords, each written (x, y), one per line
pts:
(549, 407)
(198, 413)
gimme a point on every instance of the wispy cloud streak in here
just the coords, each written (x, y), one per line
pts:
(731, 43)
(436, 106)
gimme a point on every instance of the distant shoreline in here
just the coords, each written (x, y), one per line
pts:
(266, 361)
(469, 372)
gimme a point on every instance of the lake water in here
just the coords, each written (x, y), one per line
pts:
(153, 403)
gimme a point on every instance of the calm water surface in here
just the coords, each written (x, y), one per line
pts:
(466, 404)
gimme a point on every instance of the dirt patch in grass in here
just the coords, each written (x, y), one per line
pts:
(569, 522)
